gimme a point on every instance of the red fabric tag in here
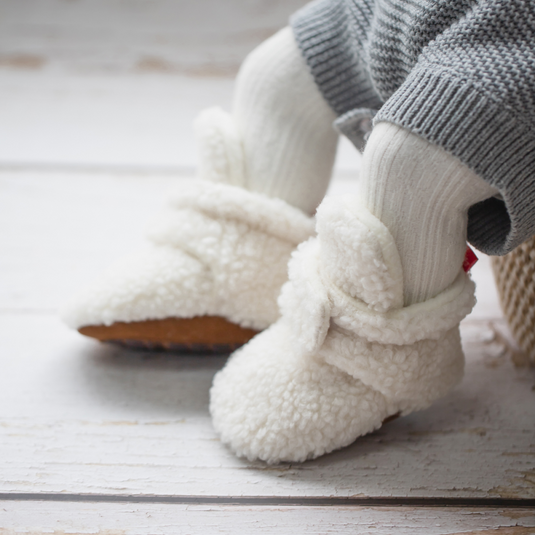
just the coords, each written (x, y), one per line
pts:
(470, 259)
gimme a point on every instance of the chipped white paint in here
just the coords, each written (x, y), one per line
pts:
(82, 417)
(201, 37)
(156, 519)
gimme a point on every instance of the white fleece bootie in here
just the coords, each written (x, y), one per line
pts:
(211, 273)
(346, 354)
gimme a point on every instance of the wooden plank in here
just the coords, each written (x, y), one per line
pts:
(110, 122)
(104, 121)
(200, 38)
(59, 230)
(113, 83)
(77, 416)
(45, 517)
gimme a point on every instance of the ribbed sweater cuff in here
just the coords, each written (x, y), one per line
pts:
(458, 116)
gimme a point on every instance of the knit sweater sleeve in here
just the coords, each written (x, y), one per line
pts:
(460, 73)
(472, 91)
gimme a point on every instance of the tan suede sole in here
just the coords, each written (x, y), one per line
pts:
(200, 334)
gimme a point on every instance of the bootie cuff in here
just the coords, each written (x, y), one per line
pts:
(224, 202)
(350, 276)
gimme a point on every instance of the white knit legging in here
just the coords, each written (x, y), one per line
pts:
(285, 124)
(420, 192)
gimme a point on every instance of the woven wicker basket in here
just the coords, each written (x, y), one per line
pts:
(515, 279)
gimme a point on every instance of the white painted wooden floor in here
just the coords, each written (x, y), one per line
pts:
(98, 439)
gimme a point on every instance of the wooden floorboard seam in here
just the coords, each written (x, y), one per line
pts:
(275, 500)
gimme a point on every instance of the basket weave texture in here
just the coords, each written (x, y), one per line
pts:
(515, 279)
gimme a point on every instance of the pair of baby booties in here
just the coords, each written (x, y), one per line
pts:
(338, 352)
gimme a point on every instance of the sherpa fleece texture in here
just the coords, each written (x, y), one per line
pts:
(220, 145)
(218, 250)
(345, 354)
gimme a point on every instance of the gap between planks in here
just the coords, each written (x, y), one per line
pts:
(318, 501)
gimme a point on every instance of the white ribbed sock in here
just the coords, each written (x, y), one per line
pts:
(285, 125)
(422, 194)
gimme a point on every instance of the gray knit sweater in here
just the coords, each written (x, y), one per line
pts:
(460, 73)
